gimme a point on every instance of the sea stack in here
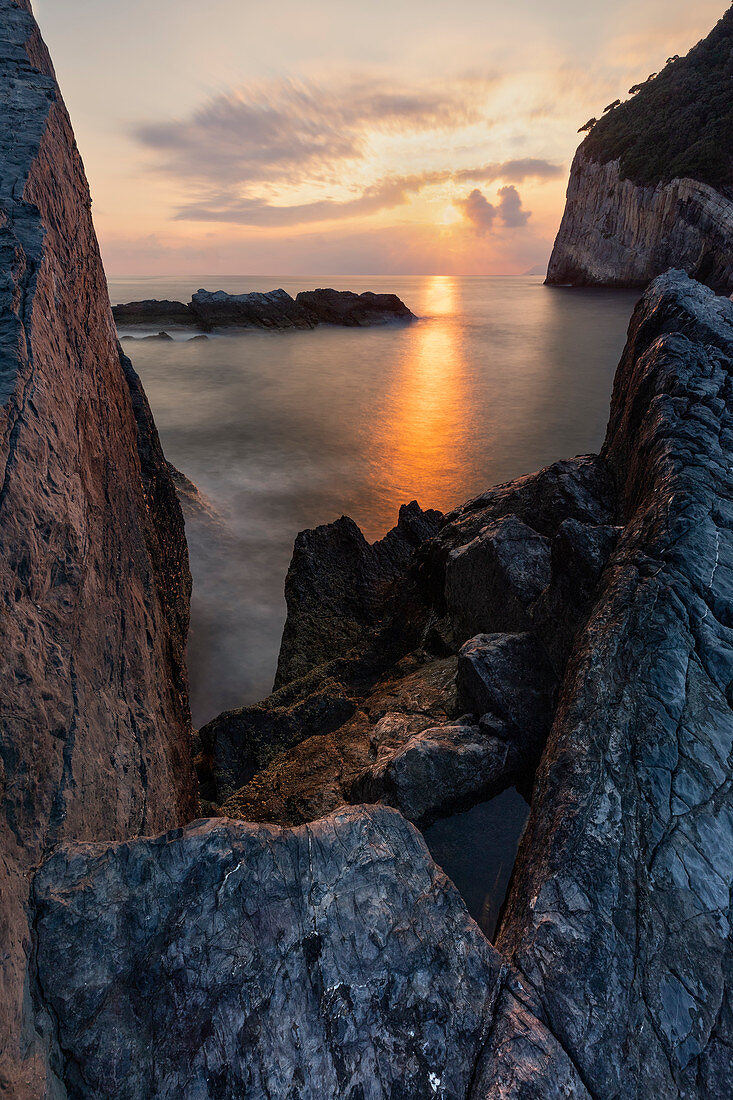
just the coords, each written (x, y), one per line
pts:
(651, 187)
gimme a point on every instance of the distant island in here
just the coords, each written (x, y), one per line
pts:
(276, 309)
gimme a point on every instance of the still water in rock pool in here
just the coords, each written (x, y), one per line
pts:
(286, 430)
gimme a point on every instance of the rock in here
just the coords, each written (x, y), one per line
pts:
(651, 186)
(320, 773)
(509, 677)
(622, 887)
(616, 233)
(441, 771)
(152, 312)
(492, 581)
(94, 579)
(276, 309)
(338, 587)
(230, 959)
(343, 307)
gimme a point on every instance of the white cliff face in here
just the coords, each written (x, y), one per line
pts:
(616, 233)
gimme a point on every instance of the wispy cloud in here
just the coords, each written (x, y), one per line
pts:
(270, 131)
(482, 214)
(385, 194)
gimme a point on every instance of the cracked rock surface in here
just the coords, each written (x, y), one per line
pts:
(94, 580)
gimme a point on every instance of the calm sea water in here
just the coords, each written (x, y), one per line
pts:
(283, 431)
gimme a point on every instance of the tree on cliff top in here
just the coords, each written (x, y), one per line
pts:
(681, 123)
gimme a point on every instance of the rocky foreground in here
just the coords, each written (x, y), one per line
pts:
(570, 633)
(208, 311)
(651, 187)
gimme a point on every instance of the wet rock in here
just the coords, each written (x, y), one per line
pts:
(343, 307)
(228, 959)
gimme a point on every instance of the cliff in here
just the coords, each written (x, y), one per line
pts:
(94, 580)
(651, 186)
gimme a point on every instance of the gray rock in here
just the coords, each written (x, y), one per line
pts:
(275, 309)
(492, 581)
(622, 888)
(153, 312)
(229, 959)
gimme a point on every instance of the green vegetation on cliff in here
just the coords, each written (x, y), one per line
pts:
(678, 125)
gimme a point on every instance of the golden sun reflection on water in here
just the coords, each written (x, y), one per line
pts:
(418, 443)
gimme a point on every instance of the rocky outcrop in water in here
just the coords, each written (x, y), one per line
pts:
(651, 187)
(94, 580)
(276, 309)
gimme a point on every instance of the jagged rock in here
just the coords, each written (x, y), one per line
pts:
(230, 959)
(492, 581)
(338, 586)
(620, 908)
(651, 186)
(152, 312)
(509, 677)
(343, 307)
(318, 775)
(274, 309)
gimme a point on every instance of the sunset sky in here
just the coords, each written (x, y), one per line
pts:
(335, 137)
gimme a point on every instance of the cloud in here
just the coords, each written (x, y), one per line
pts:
(482, 214)
(385, 194)
(287, 130)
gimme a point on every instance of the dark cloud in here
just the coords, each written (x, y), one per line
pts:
(482, 214)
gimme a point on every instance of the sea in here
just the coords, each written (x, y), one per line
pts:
(281, 431)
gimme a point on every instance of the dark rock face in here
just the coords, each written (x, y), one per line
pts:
(331, 960)
(338, 586)
(152, 312)
(343, 307)
(275, 309)
(94, 580)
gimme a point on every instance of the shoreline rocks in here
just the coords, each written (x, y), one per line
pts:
(276, 309)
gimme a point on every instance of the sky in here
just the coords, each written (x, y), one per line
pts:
(341, 137)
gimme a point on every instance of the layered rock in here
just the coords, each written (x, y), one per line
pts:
(275, 309)
(615, 232)
(651, 187)
(94, 580)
